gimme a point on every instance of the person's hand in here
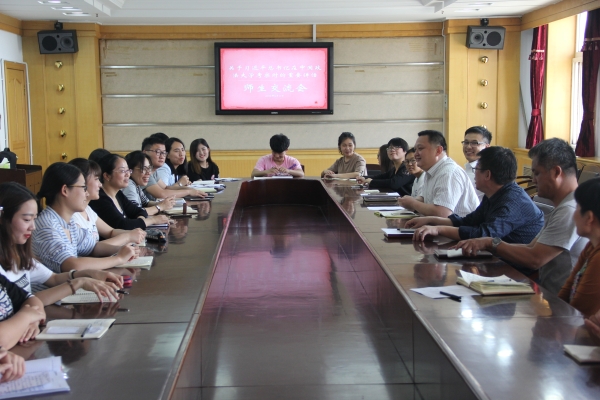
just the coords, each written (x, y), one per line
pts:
(104, 276)
(157, 219)
(136, 235)
(101, 288)
(328, 172)
(12, 366)
(423, 231)
(167, 203)
(416, 223)
(127, 253)
(33, 313)
(593, 324)
(407, 202)
(197, 193)
(184, 181)
(470, 247)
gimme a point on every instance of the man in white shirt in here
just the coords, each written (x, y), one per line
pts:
(476, 139)
(446, 189)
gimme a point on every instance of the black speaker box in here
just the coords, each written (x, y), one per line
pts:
(57, 42)
(486, 37)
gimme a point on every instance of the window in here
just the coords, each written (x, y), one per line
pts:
(576, 87)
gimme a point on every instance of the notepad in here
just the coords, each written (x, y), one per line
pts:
(273, 177)
(583, 354)
(404, 214)
(179, 211)
(41, 377)
(82, 296)
(398, 233)
(75, 329)
(457, 253)
(140, 262)
(492, 285)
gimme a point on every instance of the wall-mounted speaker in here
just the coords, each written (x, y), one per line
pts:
(58, 42)
(486, 37)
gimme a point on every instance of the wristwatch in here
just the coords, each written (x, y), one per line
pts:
(157, 207)
(495, 242)
(180, 184)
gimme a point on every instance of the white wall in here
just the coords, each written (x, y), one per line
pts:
(11, 49)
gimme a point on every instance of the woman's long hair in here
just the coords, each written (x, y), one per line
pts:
(12, 196)
(384, 160)
(56, 176)
(194, 163)
(182, 169)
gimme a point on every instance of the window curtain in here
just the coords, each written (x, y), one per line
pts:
(535, 133)
(586, 146)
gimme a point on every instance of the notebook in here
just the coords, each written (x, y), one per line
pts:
(492, 285)
(179, 211)
(75, 329)
(398, 233)
(41, 377)
(583, 354)
(404, 214)
(457, 253)
(140, 262)
(82, 296)
(380, 198)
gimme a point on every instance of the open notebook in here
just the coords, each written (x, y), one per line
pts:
(492, 285)
(41, 377)
(140, 262)
(75, 329)
(82, 296)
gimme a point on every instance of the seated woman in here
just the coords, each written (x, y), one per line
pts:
(17, 222)
(112, 205)
(397, 178)
(582, 288)
(177, 163)
(88, 219)
(20, 314)
(58, 242)
(383, 160)
(141, 167)
(278, 163)
(351, 165)
(201, 167)
(411, 163)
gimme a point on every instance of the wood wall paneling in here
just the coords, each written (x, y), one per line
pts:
(10, 24)
(479, 94)
(559, 10)
(457, 83)
(507, 120)
(557, 91)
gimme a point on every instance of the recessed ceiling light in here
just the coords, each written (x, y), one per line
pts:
(76, 14)
(466, 10)
(48, 2)
(66, 8)
(480, 4)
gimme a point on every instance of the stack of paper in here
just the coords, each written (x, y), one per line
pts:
(75, 329)
(492, 285)
(84, 296)
(41, 377)
(405, 214)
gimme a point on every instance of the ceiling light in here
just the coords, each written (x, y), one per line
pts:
(466, 10)
(52, 2)
(480, 4)
(76, 14)
(66, 8)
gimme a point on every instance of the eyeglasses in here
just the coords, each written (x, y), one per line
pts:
(408, 162)
(473, 143)
(123, 171)
(479, 169)
(145, 170)
(159, 153)
(392, 148)
(81, 186)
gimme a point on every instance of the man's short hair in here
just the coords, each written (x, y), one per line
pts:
(435, 138)
(161, 136)
(279, 143)
(480, 130)
(151, 141)
(500, 161)
(587, 195)
(555, 152)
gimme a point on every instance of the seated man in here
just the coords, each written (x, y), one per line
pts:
(506, 211)
(446, 189)
(556, 248)
(476, 139)
(278, 163)
(154, 147)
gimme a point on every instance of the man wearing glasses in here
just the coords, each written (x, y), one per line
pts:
(156, 189)
(476, 139)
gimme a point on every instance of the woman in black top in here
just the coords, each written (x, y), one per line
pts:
(113, 206)
(201, 166)
(397, 178)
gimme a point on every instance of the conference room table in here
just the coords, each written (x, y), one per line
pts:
(173, 338)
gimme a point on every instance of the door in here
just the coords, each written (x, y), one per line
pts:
(17, 111)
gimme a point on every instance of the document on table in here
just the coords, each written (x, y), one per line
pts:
(382, 194)
(82, 296)
(42, 376)
(434, 292)
(385, 208)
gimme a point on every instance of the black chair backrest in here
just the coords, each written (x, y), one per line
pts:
(10, 156)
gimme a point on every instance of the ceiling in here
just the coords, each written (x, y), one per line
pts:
(240, 12)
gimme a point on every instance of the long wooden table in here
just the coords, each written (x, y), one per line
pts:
(166, 346)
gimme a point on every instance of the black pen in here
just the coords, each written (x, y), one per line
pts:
(452, 296)
(121, 291)
(87, 328)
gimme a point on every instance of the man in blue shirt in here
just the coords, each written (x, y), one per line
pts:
(506, 211)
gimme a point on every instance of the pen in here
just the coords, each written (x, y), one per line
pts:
(122, 309)
(121, 291)
(86, 330)
(452, 296)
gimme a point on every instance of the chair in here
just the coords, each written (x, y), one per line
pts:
(580, 166)
(543, 204)
(373, 169)
(588, 172)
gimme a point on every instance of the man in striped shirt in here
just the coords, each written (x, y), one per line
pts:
(446, 189)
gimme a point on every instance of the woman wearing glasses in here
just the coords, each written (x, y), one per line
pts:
(141, 166)
(411, 164)
(58, 242)
(112, 206)
(397, 178)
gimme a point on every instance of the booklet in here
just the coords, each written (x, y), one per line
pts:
(179, 211)
(404, 214)
(140, 262)
(457, 253)
(398, 233)
(75, 329)
(583, 354)
(492, 285)
(41, 377)
(82, 296)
